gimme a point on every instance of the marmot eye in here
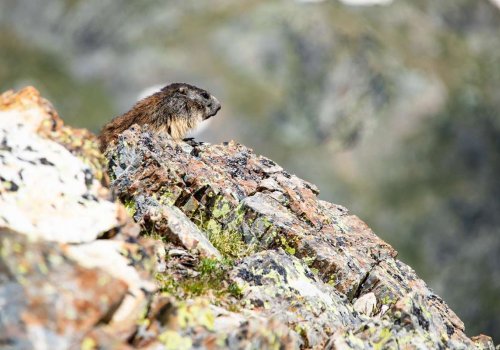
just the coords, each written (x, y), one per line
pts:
(205, 95)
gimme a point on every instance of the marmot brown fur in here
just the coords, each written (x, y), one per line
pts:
(176, 109)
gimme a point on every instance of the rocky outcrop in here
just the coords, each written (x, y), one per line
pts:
(225, 250)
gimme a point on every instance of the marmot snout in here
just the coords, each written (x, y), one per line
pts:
(176, 109)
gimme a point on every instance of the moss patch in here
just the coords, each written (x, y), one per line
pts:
(130, 207)
(212, 281)
(229, 242)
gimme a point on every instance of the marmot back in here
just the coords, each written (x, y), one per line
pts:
(176, 109)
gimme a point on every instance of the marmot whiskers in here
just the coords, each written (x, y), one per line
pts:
(176, 109)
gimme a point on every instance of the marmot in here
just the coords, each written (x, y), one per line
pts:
(176, 109)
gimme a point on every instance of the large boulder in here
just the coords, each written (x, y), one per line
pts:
(58, 283)
(46, 189)
(221, 248)
(297, 259)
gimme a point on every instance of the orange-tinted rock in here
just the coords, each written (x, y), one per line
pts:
(48, 298)
(228, 190)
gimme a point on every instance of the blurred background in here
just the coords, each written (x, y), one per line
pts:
(391, 107)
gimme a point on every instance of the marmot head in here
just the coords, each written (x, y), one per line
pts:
(200, 98)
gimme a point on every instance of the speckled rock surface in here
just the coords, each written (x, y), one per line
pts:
(173, 223)
(55, 295)
(47, 300)
(250, 209)
(221, 249)
(44, 188)
(281, 286)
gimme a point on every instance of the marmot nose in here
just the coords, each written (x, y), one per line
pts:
(212, 108)
(214, 105)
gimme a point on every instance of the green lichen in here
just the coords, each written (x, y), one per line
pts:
(301, 330)
(42, 267)
(130, 207)
(111, 173)
(221, 208)
(8, 185)
(195, 314)
(260, 226)
(235, 218)
(88, 344)
(286, 245)
(22, 268)
(308, 260)
(269, 237)
(174, 341)
(18, 247)
(168, 285)
(229, 242)
(387, 300)
(212, 227)
(169, 195)
(384, 337)
(354, 341)
(332, 281)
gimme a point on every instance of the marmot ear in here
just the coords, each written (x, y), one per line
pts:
(183, 90)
